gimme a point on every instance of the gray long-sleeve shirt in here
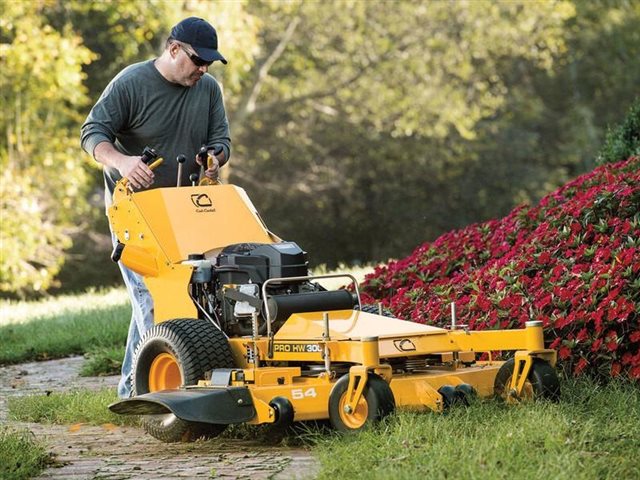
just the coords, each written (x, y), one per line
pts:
(141, 108)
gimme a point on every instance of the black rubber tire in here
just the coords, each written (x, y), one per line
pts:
(377, 395)
(276, 431)
(466, 393)
(198, 347)
(373, 308)
(449, 397)
(284, 412)
(542, 378)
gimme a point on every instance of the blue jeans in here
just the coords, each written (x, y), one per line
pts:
(141, 321)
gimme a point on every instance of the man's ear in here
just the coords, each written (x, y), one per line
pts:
(173, 49)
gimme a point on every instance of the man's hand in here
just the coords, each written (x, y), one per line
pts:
(138, 173)
(131, 167)
(213, 171)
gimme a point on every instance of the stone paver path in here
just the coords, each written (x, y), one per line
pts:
(112, 452)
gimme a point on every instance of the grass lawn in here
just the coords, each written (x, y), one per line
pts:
(63, 326)
(592, 433)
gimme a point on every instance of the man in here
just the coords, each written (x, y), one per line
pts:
(174, 106)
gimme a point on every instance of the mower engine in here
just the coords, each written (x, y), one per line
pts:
(230, 291)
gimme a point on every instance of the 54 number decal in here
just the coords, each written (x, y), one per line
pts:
(301, 393)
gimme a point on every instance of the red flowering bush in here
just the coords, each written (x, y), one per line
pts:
(572, 261)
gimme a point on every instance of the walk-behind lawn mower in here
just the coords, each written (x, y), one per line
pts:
(243, 334)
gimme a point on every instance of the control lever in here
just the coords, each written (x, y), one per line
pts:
(180, 159)
(206, 161)
(194, 179)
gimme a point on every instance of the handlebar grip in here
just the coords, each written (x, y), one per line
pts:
(217, 149)
(204, 152)
(148, 154)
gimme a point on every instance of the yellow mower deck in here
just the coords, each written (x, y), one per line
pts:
(302, 340)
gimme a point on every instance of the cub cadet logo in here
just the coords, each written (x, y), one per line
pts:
(404, 345)
(202, 202)
(297, 348)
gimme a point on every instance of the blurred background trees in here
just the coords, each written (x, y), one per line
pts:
(360, 129)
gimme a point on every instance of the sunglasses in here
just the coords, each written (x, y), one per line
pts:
(197, 61)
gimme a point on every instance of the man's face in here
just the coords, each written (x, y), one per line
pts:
(189, 68)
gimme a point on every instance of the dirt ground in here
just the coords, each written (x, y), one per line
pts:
(111, 452)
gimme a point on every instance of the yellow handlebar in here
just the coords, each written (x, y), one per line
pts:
(125, 180)
(156, 163)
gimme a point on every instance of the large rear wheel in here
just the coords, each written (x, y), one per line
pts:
(170, 355)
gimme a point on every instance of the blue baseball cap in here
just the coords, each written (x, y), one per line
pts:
(202, 37)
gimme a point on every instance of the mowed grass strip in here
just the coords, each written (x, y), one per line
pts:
(21, 455)
(593, 433)
(78, 406)
(90, 407)
(69, 325)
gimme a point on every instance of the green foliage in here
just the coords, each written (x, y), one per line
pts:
(43, 181)
(117, 32)
(21, 456)
(623, 141)
(384, 126)
(590, 433)
(79, 406)
(375, 127)
(430, 70)
(392, 134)
(31, 243)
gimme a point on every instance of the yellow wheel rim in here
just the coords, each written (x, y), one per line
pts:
(526, 395)
(164, 373)
(358, 417)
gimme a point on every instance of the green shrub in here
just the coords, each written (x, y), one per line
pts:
(622, 141)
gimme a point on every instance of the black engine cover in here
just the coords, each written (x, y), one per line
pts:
(262, 261)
